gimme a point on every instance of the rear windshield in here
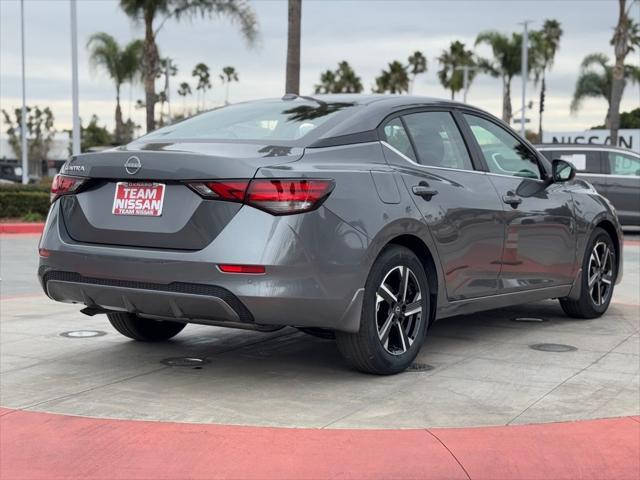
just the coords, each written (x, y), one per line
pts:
(276, 120)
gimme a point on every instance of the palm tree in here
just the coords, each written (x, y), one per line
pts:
(626, 38)
(451, 75)
(507, 54)
(183, 91)
(417, 66)
(227, 76)
(342, 80)
(545, 44)
(121, 64)
(596, 79)
(292, 81)
(393, 80)
(201, 72)
(147, 11)
(166, 70)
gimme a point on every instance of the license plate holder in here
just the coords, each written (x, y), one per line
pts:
(144, 199)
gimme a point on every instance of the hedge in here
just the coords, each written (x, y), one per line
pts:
(17, 201)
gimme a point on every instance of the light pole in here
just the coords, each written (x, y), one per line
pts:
(525, 61)
(23, 120)
(75, 135)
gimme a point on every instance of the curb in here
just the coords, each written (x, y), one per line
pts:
(34, 228)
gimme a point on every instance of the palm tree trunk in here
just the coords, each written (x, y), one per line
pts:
(119, 122)
(453, 94)
(506, 99)
(150, 65)
(543, 88)
(619, 42)
(292, 82)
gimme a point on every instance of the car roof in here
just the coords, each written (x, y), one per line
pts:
(582, 146)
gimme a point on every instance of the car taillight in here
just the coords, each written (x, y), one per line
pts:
(277, 196)
(64, 185)
(252, 269)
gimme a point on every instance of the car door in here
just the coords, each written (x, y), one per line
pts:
(458, 203)
(540, 238)
(623, 185)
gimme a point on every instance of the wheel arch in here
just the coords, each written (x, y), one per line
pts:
(422, 251)
(610, 228)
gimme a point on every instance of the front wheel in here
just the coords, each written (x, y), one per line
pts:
(394, 315)
(144, 329)
(598, 278)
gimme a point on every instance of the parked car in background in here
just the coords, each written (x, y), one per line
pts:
(363, 217)
(614, 172)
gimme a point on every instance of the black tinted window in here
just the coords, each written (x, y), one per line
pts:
(437, 140)
(276, 120)
(397, 137)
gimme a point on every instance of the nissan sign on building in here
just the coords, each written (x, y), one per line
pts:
(627, 138)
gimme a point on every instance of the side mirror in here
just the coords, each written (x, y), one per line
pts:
(562, 171)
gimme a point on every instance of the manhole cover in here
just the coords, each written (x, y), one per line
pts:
(552, 347)
(419, 367)
(193, 362)
(83, 333)
(529, 319)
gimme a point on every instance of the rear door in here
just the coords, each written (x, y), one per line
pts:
(540, 237)
(623, 185)
(458, 203)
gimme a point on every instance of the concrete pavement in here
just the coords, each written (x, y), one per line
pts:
(479, 369)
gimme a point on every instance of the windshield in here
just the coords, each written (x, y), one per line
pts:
(277, 120)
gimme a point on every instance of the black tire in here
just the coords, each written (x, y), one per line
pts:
(586, 306)
(144, 329)
(364, 350)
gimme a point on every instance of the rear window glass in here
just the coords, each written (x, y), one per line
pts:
(276, 120)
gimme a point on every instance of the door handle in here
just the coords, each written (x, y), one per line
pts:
(424, 191)
(512, 200)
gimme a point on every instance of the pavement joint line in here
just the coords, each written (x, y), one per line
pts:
(430, 432)
(567, 379)
(131, 377)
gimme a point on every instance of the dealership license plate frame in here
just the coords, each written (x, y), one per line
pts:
(133, 212)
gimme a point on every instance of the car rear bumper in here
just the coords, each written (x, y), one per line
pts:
(304, 285)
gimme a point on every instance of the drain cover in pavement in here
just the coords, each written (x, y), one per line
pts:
(193, 362)
(528, 319)
(419, 367)
(553, 347)
(83, 333)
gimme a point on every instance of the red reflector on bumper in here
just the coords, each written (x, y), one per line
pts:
(43, 252)
(254, 269)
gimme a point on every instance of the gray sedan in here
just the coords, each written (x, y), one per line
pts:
(364, 218)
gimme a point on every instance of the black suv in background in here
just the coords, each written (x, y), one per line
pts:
(614, 172)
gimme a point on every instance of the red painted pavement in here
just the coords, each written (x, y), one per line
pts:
(31, 228)
(49, 446)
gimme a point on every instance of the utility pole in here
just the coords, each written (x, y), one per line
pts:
(75, 136)
(23, 120)
(525, 74)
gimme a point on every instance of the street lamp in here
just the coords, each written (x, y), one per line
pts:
(465, 79)
(23, 120)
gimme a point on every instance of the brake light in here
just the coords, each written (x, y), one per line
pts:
(65, 185)
(286, 196)
(254, 269)
(277, 196)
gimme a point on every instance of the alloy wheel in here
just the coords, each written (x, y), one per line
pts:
(600, 273)
(398, 310)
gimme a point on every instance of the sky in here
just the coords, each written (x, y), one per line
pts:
(368, 34)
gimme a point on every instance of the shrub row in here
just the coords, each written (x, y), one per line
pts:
(31, 201)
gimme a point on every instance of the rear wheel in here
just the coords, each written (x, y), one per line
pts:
(598, 278)
(394, 315)
(144, 329)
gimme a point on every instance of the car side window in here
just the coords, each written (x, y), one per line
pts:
(623, 164)
(503, 152)
(437, 140)
(584, 161)
(397, 137)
